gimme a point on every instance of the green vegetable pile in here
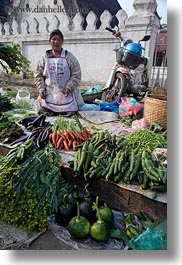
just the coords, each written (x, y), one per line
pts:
(61, 124)
(127, 120)
(9, 130)
(4, 122)
(22, 104)
(126, 158)
(31, 186)
(135, 225)
(145, 140)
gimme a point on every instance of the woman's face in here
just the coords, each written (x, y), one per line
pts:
(56, 43)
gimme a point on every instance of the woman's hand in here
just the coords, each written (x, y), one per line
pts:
(42, 94)
(66, 91)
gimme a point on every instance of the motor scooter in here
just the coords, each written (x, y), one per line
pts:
(129, 75)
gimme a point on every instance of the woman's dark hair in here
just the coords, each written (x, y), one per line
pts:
(56, 32)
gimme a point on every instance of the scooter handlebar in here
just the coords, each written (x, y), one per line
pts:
(117, 34)
(111, 30)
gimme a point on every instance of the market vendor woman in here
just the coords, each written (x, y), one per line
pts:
(57, 77)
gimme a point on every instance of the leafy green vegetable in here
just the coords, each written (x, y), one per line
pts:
(31, 186)
(12, 60)
(22, 104)
(5, 103)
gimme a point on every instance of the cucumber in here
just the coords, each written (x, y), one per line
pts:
(83, 155)
(110, 172)
(89, 156)
(136, 166)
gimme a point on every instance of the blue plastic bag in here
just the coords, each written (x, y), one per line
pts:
(151, 239)
(109, 106)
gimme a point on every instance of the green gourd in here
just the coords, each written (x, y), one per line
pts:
(100, 230)
(79, 226)
(87, 211)
(107, 214)
(65, 212)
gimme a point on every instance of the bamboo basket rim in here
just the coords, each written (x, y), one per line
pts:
(157, 97)
(158, 90)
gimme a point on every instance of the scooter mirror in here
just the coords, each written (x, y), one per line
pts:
(145, 38)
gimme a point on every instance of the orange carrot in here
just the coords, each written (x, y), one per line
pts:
(54, 138)
(59, 142)
(59, 133)
(63, 136)
(71, 133)
(74, 134)
(70, 143)
(57, 138)
(67, 136)
(74, 145)
(65, 145)
(86, 133)
(50, 136)
(61, 146)
(80, 137)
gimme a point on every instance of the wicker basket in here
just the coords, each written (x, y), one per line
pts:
(158, 91)
(155, 109)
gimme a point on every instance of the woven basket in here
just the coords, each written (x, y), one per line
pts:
(158, 91)
(155, 109)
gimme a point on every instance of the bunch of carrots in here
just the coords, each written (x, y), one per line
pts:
(69, 139)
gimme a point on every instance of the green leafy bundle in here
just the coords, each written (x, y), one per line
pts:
(31, 186)
(12, 60)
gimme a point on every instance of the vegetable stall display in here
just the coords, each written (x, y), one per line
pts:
(33, 185)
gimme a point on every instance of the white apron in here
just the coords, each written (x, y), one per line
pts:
(57, 75)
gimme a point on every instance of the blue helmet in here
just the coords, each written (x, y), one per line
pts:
(134, 48)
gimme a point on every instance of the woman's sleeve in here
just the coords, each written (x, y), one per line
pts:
(38, 75)
(75, 72)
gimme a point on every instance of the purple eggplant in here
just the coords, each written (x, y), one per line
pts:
(30, 127)
(20, 140)
(34, 134)
(39, 137)
(38, 120)
(43, 137)
(25, 121)
(42, 122)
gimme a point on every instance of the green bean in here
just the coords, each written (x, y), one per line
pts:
(145, 139)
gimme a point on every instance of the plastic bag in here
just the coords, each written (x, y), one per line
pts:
(94, 90)
(160, 155)
(90, 107)
(109, 106)
(23, 94)
(139, 124)
(151, 239)
(128, 106)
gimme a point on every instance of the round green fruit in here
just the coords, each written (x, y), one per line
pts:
(79, 227)
(100, 231)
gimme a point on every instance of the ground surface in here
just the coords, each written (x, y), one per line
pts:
(48, 241)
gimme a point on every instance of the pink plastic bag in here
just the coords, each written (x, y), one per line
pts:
(128, 106)
(139, 124)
